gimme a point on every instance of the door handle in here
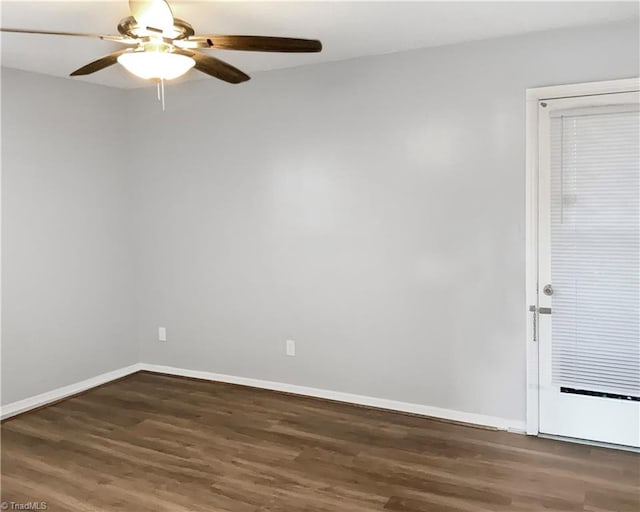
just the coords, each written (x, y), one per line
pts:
(535, 323)
(536, 311)
(542, 311)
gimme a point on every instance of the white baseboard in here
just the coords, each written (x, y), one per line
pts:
(57, 394)
(381, 403)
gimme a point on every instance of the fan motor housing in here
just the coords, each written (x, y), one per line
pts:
(129, 27)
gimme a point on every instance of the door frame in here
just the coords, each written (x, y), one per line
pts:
(533, 96)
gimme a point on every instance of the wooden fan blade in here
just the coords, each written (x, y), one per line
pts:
(115, 38)
(97, 65)
(191, 44)
(152, 13)
(261, 43)
(217, 68)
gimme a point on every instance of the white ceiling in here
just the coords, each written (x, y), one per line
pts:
(347, 29)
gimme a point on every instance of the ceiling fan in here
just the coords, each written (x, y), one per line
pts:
(161, 47)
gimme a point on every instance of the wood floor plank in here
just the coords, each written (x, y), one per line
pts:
(154, 442)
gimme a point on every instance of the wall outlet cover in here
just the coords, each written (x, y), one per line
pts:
(291, 348)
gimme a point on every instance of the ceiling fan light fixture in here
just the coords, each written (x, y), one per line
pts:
(167, 47)
(156, 64)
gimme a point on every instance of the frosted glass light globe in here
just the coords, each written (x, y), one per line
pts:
(158, 65)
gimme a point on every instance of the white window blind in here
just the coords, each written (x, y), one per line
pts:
(595, 249)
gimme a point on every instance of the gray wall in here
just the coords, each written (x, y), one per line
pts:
(372, 210)
(67, 311)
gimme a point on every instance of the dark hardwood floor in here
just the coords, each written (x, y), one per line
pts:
(159, 443)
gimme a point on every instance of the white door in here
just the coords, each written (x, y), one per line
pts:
(589, 267)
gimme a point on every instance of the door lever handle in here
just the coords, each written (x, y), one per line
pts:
(535, 323)
(542, 311)
(536, 311)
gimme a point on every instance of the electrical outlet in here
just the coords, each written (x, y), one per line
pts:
(162, 334)
(291, 348)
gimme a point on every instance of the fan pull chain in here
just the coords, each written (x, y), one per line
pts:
(162, 92)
